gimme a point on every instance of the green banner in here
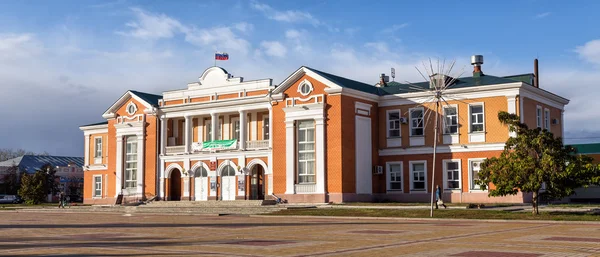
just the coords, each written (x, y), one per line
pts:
(219, 144)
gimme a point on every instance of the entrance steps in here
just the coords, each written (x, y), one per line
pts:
(208, 204)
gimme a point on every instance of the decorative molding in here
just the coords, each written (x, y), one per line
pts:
(442, 149)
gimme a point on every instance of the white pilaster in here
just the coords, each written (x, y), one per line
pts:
(226, 125)
(119, 168)
(290, 153)
(176, 130)
(87, 150)
(214, 123)
(320, 154)
(243, 127)
(186, 179)
(162, 180)
(201, 130)
(140, 164)
(270, 128)
(188, 133)
(163, 134)
(512, 109)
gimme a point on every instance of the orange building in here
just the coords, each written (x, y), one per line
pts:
(315, 137)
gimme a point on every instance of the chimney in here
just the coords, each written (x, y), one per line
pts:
(383, 80)
(477, 61)
(536, 74)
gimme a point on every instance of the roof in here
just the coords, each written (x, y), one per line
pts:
(464, 82)
(150, 98)
(587, 148)
(348, 83)
(31, 163)
(95, 124)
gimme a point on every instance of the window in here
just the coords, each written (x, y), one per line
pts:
(450, 120)
(131, 108)
(131, 162)
(452, 174)
(416, 122)
(97, 186)
(208, 128)
(538, 116)
(305, 88)
(418, 175)
(201, 172)
(306, 151)
(477, 118)
(475, 167)
(235, 128)
(266, 129)
(98, 150)
(393, 121)
(394, 176)
(547, 119)
(227, 171)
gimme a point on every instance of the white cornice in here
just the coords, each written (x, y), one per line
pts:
(94, 130)
(544, 96)
(122, 100)
(207, 106)
(216, 109)
(442, 149)
(249, 86)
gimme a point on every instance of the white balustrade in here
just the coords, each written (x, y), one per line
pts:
(257, 144)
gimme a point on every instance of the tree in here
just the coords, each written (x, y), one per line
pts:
(7, 154)
(11, 180)
(35, 188)
(32, 187)
(536, 162)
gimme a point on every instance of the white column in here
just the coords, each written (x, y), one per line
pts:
(188, 133)
(214, 123)
(243, 127)
(512, 109)
(119, 168)
(320, 154)
(163, 134)
(201, 130)
(140, 164)
(290, 153)
(225, 127)
(86, 158)
(186, 179)
(162, 180)
(270, 127)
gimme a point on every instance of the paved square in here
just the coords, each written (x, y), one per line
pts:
(62, 233)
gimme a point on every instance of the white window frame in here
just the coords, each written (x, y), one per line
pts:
(388, 176)
(235, 134)
(547, 119)
(298, 152)
(132, 171)
(95, 183)
(265, 128)
(445, 169)
(471, 120)
(444, 117)
(131, 104)
(97, 154)
(411, 180)
(411, 121)
(387, 122)
(538, 116)
(309, 87)
(470, 175)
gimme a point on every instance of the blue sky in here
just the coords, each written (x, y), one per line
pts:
(63, 63)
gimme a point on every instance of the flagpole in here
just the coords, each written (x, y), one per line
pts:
(215, 59)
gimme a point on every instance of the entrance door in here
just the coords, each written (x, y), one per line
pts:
(257, 189)
(200, 182)
(228, 181)
(175, 185)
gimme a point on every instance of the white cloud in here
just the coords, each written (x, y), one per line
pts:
(152, 26)
(274, 48)
(156, 26)
(542, 15)
(292, 34)
(291, 16)
(380, 47)
(395, 28)
(244, 27)
(590, 51)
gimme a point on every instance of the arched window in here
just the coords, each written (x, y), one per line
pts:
(227, 171)
(201, 172)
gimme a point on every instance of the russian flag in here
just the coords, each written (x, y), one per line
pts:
(221, 56)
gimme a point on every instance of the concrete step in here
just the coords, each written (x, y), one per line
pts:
(209, 204)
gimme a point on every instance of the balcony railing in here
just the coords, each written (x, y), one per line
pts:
(305, 188)
(257, 144)
(175, 149)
